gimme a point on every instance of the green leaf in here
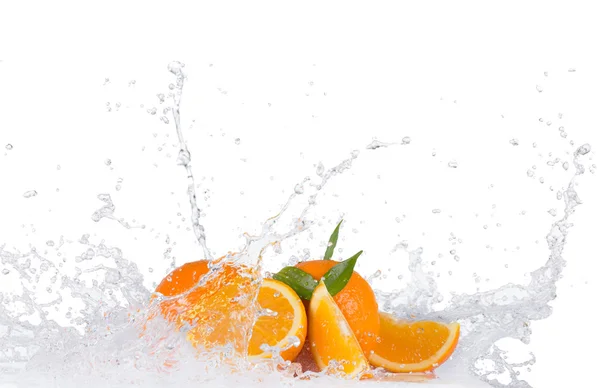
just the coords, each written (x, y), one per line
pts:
(338, 276)
(332, 242)
(301, 282)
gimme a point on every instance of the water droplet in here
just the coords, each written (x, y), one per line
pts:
(406, 140)
(530, 173)
(50, 243)
(436, 211)
(293, 260)
(552, 212)
(9, 147)
(150, 269)
(30, 193)
(108, 162)
(152, 111)
(452, 164)
(58, 167)
(571, 70)
(184, 157)
(237, 141)
(539, 88)
(164, 119)
(377, 144)
(514, 142)
(299, 189)
(534, 145)
(320, 169)
(5, 271)
(584, 149)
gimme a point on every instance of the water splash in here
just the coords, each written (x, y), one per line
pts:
(30, 193)
(489, 316)
(99, 296)
(108, 211)
(375, 144)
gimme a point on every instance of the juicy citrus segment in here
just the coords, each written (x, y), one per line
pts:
(331, 338)
(413, 346)
(356, 301)
(283, 323)
(212, 305)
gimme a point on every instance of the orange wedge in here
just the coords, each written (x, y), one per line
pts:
(282, 324)
(332, 339)
(413, 346)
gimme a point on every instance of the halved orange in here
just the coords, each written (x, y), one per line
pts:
(413, 346)
(331, 339)
(282, 324)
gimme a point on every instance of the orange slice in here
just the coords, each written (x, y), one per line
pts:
(413, 346)
(332, 339)
(282, 325)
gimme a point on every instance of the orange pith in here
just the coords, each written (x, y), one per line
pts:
(216, 310)
(278, 330)
(413, 346)
(331, 337)
(356, 301)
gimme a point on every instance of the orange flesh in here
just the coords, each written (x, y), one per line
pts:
(274, 329)
(356, 301)
(331, 338)
(419, 341)
(413, 347)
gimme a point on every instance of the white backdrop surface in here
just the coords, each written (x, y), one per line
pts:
(299, 83)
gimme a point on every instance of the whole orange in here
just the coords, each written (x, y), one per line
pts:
(215, 310)
(356, 301)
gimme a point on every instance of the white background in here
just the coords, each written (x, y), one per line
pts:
(303, 82)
